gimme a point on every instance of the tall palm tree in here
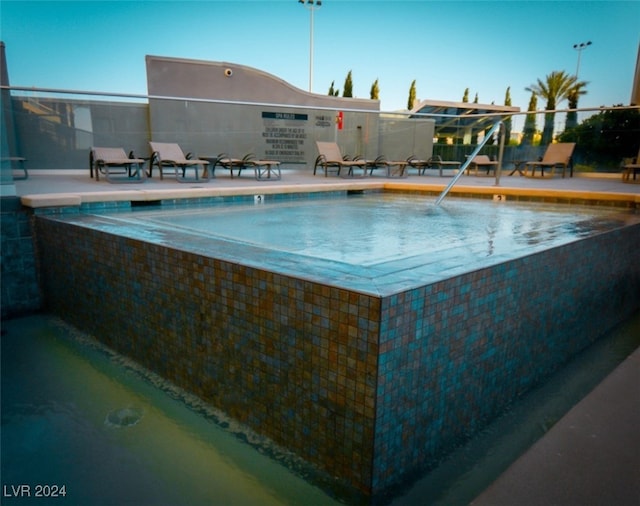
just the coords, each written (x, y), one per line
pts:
(554, 90)
(573, 97)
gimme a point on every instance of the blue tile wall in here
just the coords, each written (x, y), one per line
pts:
(453, 354)
(368, 389)
(18, 281)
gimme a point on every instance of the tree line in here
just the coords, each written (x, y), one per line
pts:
(554, 88)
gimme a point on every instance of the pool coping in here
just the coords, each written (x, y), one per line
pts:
(76, 199)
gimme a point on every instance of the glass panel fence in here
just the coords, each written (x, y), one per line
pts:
(56, 129)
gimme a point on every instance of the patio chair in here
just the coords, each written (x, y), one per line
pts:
(115, 165)
(393, 168)
(557, 155)
(418, 163)
(16, 163)
(263, 169)
(482, 161)
(225, 161)
(631, 166)
(329, 157)
(436, 162)
(170, 155)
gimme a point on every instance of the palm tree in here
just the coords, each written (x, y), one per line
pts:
(574, 95)
(554, 89)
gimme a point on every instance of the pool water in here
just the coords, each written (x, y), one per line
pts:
(376, 243)
(371, 229)
(77, 415)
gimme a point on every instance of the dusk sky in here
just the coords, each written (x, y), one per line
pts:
(446, 46)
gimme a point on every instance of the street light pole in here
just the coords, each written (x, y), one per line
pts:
(312, 5)
(580, 47)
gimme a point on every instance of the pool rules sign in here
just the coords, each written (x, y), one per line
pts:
(285, 134)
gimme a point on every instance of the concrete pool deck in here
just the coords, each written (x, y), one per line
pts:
(51, 188)
(591, 456)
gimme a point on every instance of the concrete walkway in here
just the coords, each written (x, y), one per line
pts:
(78, 184)
(590, 457)
(65, 180)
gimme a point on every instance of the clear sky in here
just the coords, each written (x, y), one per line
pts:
(445, 45)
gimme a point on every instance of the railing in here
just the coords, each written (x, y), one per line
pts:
(54, 129)
(469, 160)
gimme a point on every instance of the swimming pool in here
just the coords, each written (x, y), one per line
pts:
(372, 242)
(369, 367)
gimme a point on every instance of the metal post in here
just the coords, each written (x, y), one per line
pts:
(501, 134)
(311, 49)
(311, 5)
(580, 47)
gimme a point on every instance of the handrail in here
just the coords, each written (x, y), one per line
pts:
(61, 91)
(469, 160)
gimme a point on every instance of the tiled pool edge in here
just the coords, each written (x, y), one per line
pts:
(464, 348)
(37, 201)
(338, 423)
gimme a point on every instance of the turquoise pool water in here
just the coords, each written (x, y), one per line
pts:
(372, 242)
(77, 415)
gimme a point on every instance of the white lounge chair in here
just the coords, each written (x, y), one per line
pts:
(631, 167)
(393, 168)
(16, 163)
(482, 162)
(116, 166)
(170, 155)
(263, 169)
(330, 157)
(557, 155)
(436, 162)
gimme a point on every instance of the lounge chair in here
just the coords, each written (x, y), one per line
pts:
(16, 163)
(263, 169)
(116, 166)
(329, 157)
(418, 163)
(392, 168)
(223, 160)
(557, 155)
(436, 162)
(631, 167)
(170, 155)
(482, 161)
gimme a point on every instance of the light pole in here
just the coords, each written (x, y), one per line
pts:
(580, 47)
(312, 6)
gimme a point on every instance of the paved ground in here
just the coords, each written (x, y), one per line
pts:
(592, 455)
(79, 181)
